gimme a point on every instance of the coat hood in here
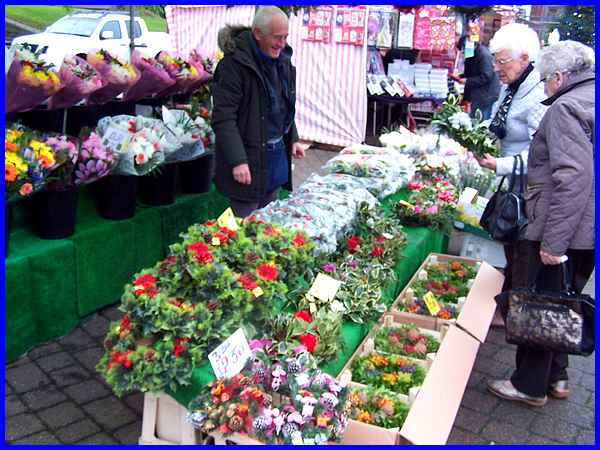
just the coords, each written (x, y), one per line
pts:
(226, 39)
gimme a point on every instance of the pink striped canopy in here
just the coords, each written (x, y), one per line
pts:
(331, 106)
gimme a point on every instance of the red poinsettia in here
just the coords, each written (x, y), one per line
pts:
(178, 347)
(298, 240)
(248, 282)
(304, 315)
(309, 340)
(267, 272)
(145, 284)
(376, 252)
(352, 243)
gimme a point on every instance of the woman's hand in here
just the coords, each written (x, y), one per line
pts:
(488, 161)
(548, 259)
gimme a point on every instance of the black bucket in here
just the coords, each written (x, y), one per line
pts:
(196, 176)
(116, 196)
(158, 188)
(55, 213)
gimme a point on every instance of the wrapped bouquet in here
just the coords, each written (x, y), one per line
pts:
(29, 81)
(66, 153)
(79, 79)
(184, 73)
(154, 78)
(95, 159)
(118, 75)
(187, 131)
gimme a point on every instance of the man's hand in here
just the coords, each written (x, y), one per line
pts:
(298, 151)
(241, 174)
(548, 259)
(488, 161)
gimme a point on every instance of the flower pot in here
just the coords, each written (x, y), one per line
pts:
(55, 213)
(115, 196)
(196, 175)
(158, 188)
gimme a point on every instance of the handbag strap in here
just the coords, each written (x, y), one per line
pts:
(568, 290)
(517, 160)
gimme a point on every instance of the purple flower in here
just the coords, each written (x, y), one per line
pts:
(259, 343)
(353, 263)
(366, 270)
(330, 267)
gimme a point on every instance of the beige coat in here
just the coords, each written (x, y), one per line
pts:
(560, 184)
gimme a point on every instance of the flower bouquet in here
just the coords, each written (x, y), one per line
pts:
(27, 163)
(189, 133)
(118, 75)
(376, 406)
(66, 154)
(393, 372)
(185, 74)
(29, 81)
(470, 133)
(204, 67)
(154, 78)
(79, 80)
(405, 340)
(311, 409)
(95, 160)
(360, 165)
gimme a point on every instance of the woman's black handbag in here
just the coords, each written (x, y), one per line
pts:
(560, 321)
(504, 216)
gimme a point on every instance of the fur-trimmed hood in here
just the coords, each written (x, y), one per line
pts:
(228, 35)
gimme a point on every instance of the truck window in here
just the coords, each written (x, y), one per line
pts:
(78, 26)
(113, 26)
(137, 29)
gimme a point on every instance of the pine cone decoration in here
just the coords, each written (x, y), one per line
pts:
(293, 366)
(259, 424)
(236, 423)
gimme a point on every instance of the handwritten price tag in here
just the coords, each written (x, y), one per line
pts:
(116, 138)
(216, 241)
(257, 291)
(227, 220)
(432, 304)
(324, 287)
(230, 357)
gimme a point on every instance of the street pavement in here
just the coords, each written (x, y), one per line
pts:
(55, 396)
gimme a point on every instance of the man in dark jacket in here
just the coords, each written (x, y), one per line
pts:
(482, 85)
(254, 95)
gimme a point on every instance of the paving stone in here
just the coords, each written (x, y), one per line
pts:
(77, 431)
(477, 381)
(585, 364)
(459, 436)
(496, 337)
(7, 389)
(89, 358)
(70, 375)
(61, 415)
(470, 420)
(579, 395)
(129, 434)
(501, 432)
(494, 369)
(100, 438)
(112, 313)
(567, 411)
(26, 378)
(44, 350)
(87, 391)
(506, 356)
(588, 381)
(554, 428)
(592, 401)
(541, 440)
(586, 437)
(13, 405)
(575, 376)
(110, 413)
(23, 360)
(55, 361)
(517, 413)
(489, 350)
(135, 402)
(43, 398)
(77, 340)
(96, 326)
(39, 438)
(483, 403)
(22, 425)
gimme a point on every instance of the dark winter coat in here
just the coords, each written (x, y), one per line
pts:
(482, 86)
(560, 185)
(240, 101)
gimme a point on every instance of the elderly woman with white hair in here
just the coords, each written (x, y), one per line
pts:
(517, 112)
(560, 203)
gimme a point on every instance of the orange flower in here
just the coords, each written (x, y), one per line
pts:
(378, 360)
(45, 162)
(10, 173)
(323, 421)
(26, 189)
(365, 417)
(10, 146)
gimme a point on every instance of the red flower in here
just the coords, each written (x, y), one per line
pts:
(209, 223)
(224, 234)
(204, 257)
(198, 247)
(169, 261)
(125, 325)
(446, 196)
(304, 315)
(271, 231)
(145, 284)
(178, 346)
(353, 244)
(376, 252)
(132, 128)
(415, 186)
(380, 239)
(309, 341)
(248, 283)
(408, 348)
(299, 240)
(267, 272)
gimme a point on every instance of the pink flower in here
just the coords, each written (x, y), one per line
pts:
(418, 209)
(415, 186)
(140, 158)
(432, 209)
(446, 196)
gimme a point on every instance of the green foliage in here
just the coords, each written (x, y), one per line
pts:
(578, 24)
(393, 372)
(377, 406)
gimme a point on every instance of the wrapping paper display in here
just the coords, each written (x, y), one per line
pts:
(316, 24)
(350, 25)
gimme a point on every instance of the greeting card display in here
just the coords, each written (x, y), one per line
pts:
(316, 24)
(350, 25)
(381, 28)
(406, 26)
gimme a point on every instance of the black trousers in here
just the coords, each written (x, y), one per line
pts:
(537, 369)
(244, 209)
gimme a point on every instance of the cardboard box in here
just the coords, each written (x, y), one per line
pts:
(479, 306)
(441, 392)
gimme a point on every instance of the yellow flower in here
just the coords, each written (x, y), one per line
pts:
(41, 75)
(17, 161)
(378, 360)
(220, 55)
(46, 157)
(54, 78)
(28, 70)
(391, 378)
(365, 417)
(13, 135)
(193, 71)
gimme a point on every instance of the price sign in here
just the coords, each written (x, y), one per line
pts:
(230, 357)
(116, 138)
(324, 287)
(216, 241)
(227, 220)
(257, 291)
(432, 304)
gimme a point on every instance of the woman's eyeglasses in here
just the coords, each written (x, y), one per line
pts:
(501, 62)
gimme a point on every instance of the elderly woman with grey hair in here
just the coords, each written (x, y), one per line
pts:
(560, 202)
(517, 112)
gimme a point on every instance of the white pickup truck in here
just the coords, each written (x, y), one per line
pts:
(82, 31)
